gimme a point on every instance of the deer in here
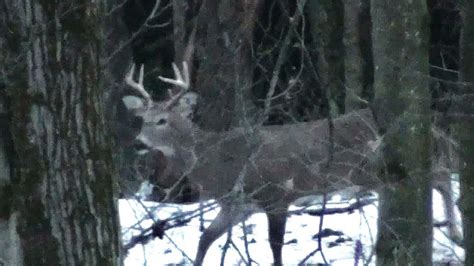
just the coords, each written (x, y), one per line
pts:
(265, 166)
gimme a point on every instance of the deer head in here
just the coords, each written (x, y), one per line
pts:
(165, 132)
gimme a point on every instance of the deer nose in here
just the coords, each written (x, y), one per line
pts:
(144, 145)
(140, 147)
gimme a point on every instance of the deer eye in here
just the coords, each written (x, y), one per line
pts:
(162, 121)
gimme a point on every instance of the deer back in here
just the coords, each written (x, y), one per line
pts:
(296, 160)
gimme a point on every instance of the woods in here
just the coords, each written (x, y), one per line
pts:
(285, 99)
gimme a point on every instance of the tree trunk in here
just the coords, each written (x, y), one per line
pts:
(64, 210)
(464, 130)
(402, 109)
(327, 30)
(8, 238)
(357, 54)
(223, 51)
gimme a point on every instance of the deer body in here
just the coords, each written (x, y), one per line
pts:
(267, 166)
(274, 166)
(293, 158)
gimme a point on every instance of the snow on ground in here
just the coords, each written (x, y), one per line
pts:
(180, 243)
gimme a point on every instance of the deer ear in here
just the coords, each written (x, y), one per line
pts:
(189, 99)
(133, 102)
(187, 104)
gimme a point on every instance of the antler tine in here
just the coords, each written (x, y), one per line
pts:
(178, 81)
(177, 73)
(181, 80)
(138, 86)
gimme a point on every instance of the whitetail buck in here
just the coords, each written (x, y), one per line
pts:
(267, 166)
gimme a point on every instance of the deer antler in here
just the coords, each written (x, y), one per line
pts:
(138, 86)
(179, 81)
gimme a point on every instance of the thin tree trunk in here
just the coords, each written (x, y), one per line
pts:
(327, 30)
(357, 53)
(223, 40)
(64, 211)
(464, 130)
(402, 108)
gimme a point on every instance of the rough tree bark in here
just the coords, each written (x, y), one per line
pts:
(63, 209)
(464, 129)
(8, 238)
(402, 110)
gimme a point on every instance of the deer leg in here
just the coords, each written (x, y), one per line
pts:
(446, 193)
(229, 215)
(276, 231)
